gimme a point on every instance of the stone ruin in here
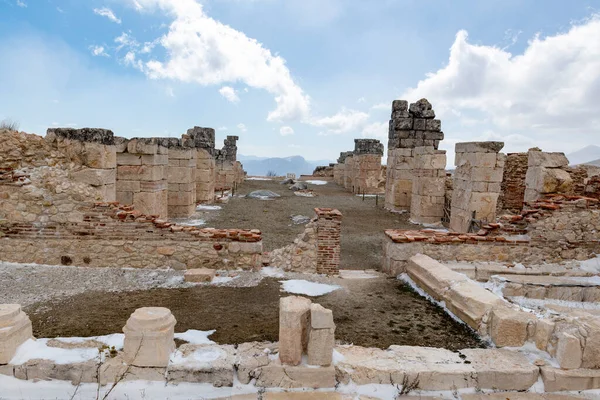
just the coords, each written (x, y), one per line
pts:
(360, 171)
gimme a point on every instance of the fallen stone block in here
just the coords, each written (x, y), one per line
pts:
(199, 275)
(509, 327)
(568, 351)
(432, 276)
(558, 380)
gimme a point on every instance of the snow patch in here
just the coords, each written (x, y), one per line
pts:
(272, 272)
(317, 182)
(299, 286)
(591, 265)
(206, 207)
(39, 349)
(258, 178)
(222, 279)
(193, 336)
(199, 359)
(192, 222)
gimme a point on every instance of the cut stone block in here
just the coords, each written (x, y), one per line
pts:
(149, 337)
(321, 317)
(199, 275)
(15, 329)
(568, 351)
(294, 315)
(432, 276)
(320, 346)
(558, 380)
(509, 326)
(212, 364)
(287, 377)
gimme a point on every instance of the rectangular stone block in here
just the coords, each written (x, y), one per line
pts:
(154, 186)
(181, 175)
(181, 198)
(107, 192)
(479, 147)
(125, 197)
(320, 346)
(294, 316)
(403, 124)
(135, 146)
(96, 155)
(151, 203)
(546, 160)
(155, 159)
(95, 177)
(140, 172)
(129, 159)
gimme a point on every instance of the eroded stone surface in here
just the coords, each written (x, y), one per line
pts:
(149, 337)
(15, 329)
(294, 317)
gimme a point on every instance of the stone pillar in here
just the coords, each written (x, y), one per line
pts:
(15, 329)
(229, 170)
(546, 174)
(512, 193)
(428, 186)
(92, 148)
(367, 165)
(329, 223)
(349, 172)
(294, 317)
(321, 337)
(203, 139)
(149, 337)
(477, 181)
(409, 127)
(181, 177)
(142, 176)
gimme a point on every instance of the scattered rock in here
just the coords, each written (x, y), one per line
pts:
(299, 186)
(300, 219)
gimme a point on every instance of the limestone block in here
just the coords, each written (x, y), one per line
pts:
(543, 332)
(558, 380)
(591, 352)
(136, 146)
(287, 377)
(556, 181)
(107, 192)
(40, 369)
(199, 275)
(479, 147)
(129, 159)
(321, 317)
(181, 175)
(320, 346)
(95, 177)
(154, 186)
(96, 155)
(117, 368)
(432, 276)
(125, 198)
(140, 173)
(546, 160)
(486, 174)
(149, 337)
(181, 198)
(509, 326)
(15, 329)
(568, 351)
(470, 302)
(155, 159)
(128, 186)
(212, 364)
(484, 204)
(250, 357)
(151, 203)
(294, 315)
(502, 369)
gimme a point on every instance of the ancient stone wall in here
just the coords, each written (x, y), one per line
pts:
(109, 235)
(300, 256)
(512, 192)
(229, 171)
(349, 172)
(477, 180)
(324, 171)
(181, 177)
(20, 149)
(339, 170)
(409, 127)
(366, 166)
(203, 139)
(142, 174)
(428, 185)
(328, 240)
(546, 174)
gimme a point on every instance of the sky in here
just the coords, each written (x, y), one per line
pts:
(305, 77)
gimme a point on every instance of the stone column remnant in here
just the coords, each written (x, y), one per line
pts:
(546, 174)
(349, 172)
(367, 165)
(294, 319)
(15, 329)
(203, 139)
(329, 223)
(321, 338)
(93, 148)
(477, 181)
(428, 186)
(409, 127)
(229, 170)
(149, 337)
(142, 170)
(181, 177)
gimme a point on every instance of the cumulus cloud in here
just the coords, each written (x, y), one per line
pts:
(202, 50)
(108, 13)
(98, 51)
(549, 93)
(286, 131)
(229, 93)
(126, 40)
(343, 122)
(376, 130)
(242, 127)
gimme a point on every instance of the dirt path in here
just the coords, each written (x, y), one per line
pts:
(376, 313)
(362, 225)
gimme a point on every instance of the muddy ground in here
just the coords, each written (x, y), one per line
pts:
(376, 313)
(362, 225)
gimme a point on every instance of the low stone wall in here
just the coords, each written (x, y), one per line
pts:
(300, 256)
(118, 236)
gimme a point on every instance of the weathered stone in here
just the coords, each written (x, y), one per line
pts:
(199, 275)
(558, 380)
(285, 376)
(320, 346)
(149, 337)
(509, 326)
(15, 329)
(294, 315)
(321, 317)
(568, 351)
(212, 364)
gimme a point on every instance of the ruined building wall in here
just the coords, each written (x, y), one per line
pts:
(229, 171)
(339, 170)
(477, 180)
(366, 170)
(512, 192)
(349, 172)
(409, 127)
(546, 174)
(324, 171)
(428, 186)
(181, 179)
(142, 173)
(203, 140)
(20, 150)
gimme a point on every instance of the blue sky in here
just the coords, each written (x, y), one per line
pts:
(305, 76)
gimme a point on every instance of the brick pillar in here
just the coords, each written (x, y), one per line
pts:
(142, 176)
(329, 223)
(477, 182)
(182, 181)
(428, 185)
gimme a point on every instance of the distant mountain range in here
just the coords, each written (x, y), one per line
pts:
(588, 155)
(261, 166)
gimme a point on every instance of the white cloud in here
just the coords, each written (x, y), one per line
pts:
(21, 4)
(286, 131)
(108, 13)
(376, 130)
(550, 93)
(242, 127)
(229, 93)
(382, 106)
(202, 50)
(169, 91)
(99, 51)
(343, 122)
(125, 40)
(131, 60)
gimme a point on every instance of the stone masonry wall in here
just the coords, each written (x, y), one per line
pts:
(409, 127)
(328, 240)
(366, 165)
(477, 181)
(20, 149)
(512, 192)
(181, 178)
(300, 256)
(229, 171)
(142, 173)
(203, 139)
(428, 186)
(546, 174)
(349, 173)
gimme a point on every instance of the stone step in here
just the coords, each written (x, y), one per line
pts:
(483, 271)
(580, 289)
(520, 396)
(558, 380)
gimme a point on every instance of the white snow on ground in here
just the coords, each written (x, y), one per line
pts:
(39, 348)
(201, 358)
(317, 182)
(222, 279)
(192, 222)
(206, 207)
(272, 272)
(115, 340)
(299, 286)
(193, 336)
(257, 178)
